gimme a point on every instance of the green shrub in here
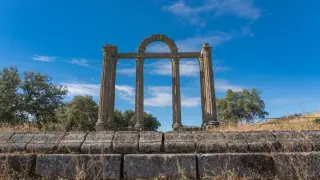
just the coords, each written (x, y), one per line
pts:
(317, 120)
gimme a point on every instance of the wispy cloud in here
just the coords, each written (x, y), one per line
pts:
(82, 89)
(125, 92)
(187, 68)
(122, 91)
(127, 71)
(79, 61)
(196, 15)
(156, 96)
(194, 43)
(44, 58)
(161, 96)
(222, 85)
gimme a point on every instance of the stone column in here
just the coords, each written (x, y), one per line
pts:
(203, 99)
(176, 100)
(112, 92)
(105, 88)
(209, 91)
(139, 92)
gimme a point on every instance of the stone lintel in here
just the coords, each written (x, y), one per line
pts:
(157, 55)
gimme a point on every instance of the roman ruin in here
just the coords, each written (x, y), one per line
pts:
(107, 90)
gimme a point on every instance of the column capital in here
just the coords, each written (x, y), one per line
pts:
(175, 59)
(206, 49)
(110, 50)
(200, 59)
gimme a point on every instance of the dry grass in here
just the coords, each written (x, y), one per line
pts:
(18, 128)
(284, 124)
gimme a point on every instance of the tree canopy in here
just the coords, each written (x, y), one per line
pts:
(245, 105)
(28, 97)
(82, 113)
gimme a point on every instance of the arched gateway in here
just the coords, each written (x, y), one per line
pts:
(107, 90)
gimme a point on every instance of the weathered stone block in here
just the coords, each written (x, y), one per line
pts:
(18, 142)
(210, 142)
(256, 166)
(150, 142)
(296, 165)
(179, 142)
(71, 142)
(292, 141)
(98, 142)
(236, 142)
(17, 165)
(126, 142)
(80, 166)
(313, 137)
(261, 141)
(4, 138)
(148, 166)
(44, 142)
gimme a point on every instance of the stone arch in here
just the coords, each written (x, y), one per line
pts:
(158, 37)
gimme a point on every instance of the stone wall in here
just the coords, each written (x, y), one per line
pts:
(145, 155)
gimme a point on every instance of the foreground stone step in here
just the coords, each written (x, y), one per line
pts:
(150, 142)
(146, 166)
(280, 166)
(70, 166)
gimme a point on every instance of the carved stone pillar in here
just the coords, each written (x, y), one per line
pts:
(176, 99)
(105, 88)
(139, 93)
(203, 99)
(112, 92)
(209, 91)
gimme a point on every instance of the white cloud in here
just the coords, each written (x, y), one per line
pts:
(195, 15)
(222, 85)
(79, 61)
(156, 96)
(190, 101)
(125, 92)
(161, 96)
(75, 89)
(187, 68)
(127, 71)
(194, 44)
(44, 58)
(122, 91)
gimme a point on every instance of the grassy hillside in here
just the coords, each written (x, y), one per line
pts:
(302, 122)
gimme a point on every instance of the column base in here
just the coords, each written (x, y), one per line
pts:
(99, 125)
(176, 127)
(137, 125)
(213, 123)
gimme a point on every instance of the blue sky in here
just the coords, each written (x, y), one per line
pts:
(265, 44)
